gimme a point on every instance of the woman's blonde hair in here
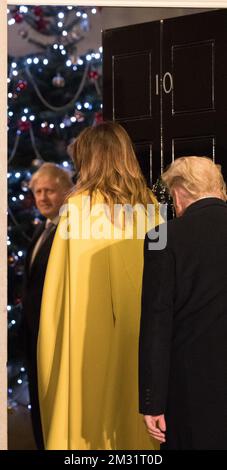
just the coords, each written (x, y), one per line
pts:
(198, 176)
(105, 161)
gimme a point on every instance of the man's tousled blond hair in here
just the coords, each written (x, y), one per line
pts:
(54, 171)
(198, 176)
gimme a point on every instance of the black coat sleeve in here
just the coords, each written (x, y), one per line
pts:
(155, 329)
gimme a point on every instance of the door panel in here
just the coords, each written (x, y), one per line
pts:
(132, 91)
(193, 72)
(202, 145)
(194, 49)
(131, 62)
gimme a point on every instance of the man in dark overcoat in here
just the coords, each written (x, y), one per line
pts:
(183, 335)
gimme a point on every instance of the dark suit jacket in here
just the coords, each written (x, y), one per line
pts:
(33, 287)
(34, 279)
(183, 337)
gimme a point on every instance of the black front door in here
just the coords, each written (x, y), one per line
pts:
(165, 83)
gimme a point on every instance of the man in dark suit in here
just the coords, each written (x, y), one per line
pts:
(183, 336)
(49, 185)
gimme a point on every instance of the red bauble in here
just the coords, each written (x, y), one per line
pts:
(93, 74)
(21, 85)
(41, 24)
(38, 11)
(98, 118)
(46, 130)
(23, 126)
(18, 17)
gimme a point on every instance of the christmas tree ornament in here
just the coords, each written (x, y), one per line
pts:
(58, 81)
(98, 118)
(37, 162)
(24, 185)
(79, 116)
(73, 57)
(23, 33)
(12, 259)
(23, 126)
(46, 129)
(93, 74)
(36, 221)
(74, 33)
(38, 11)
(41, 24)
(21, 85)
(67, 121)
(18, 17)
(85, 25)
(19, 270)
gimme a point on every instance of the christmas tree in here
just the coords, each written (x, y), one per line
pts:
(52, 96)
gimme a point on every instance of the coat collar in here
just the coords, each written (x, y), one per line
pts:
(204, 202)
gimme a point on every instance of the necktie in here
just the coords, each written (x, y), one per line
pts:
(41, 240)
(49, 226)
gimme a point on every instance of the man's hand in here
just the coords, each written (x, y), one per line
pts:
(156, 426)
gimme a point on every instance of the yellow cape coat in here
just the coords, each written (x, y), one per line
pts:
(88, 342)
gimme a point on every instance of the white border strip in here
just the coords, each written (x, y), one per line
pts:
(3, 227)
(130, 3)
(3, 171)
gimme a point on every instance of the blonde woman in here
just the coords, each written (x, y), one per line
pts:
(91, 304)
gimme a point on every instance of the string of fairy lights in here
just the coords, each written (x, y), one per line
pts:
(23, 10)
(36, 65)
